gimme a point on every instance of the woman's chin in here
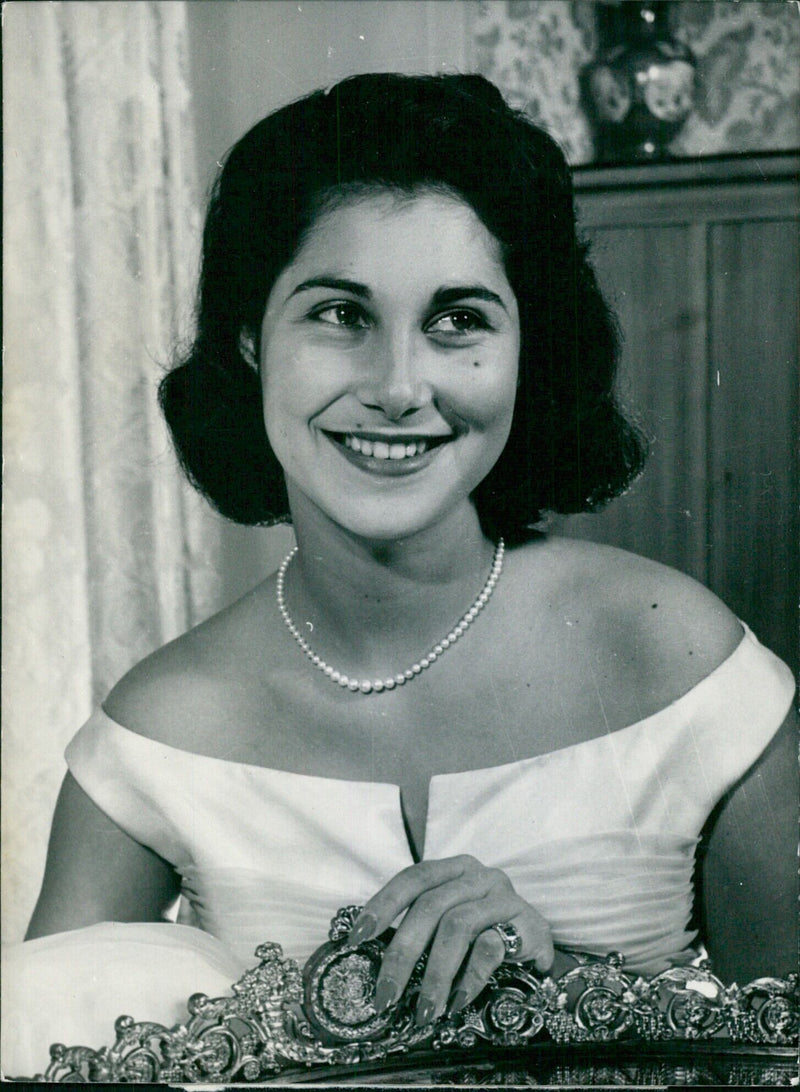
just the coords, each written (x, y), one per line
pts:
(386, 520)
(393, 528)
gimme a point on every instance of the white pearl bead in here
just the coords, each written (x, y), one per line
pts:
(378, 685)
(365, 687)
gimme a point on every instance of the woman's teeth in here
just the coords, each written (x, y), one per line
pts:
(379, 449)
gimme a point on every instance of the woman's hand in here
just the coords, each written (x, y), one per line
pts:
(451, 906)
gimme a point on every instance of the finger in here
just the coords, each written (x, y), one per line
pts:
(488, 952)
(402, 890)
(421, 923)
(537, 945)
(456, 936)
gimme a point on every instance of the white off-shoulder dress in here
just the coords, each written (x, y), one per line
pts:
(600, 837)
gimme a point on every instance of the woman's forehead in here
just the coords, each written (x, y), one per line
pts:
(383, 226)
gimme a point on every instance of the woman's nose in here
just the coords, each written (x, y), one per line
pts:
(394, 379)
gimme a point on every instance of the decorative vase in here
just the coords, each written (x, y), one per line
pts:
(640, 89)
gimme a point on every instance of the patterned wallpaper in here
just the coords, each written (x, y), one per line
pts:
(748, 69)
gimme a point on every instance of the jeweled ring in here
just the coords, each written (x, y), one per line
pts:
(512, 941)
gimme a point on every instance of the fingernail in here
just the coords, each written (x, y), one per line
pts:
(460, 998)
(386, 993)
(364, 929)
(426, 1010)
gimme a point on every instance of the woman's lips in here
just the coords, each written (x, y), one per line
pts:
(387, 455)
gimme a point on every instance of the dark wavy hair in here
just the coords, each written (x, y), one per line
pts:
(570, 448)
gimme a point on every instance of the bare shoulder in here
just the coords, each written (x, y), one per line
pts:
(185, 692)
(666, 630)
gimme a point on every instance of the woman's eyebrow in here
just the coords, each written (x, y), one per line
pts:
(339, 284)
(443, 296)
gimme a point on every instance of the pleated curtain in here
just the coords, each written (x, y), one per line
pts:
(106, 552)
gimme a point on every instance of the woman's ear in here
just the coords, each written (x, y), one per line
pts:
(247, 347)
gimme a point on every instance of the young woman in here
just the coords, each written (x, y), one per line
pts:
(512, 743)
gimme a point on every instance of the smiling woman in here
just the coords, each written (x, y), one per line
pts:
(450, 138)
(401, 347)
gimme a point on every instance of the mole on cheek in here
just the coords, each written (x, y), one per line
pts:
(476, 364)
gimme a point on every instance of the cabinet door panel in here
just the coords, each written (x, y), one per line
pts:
(655, 277)
(753, 426)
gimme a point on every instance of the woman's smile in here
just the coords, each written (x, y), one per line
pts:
(389, 356)
(388, 454)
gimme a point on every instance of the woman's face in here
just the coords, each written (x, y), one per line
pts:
(389, 357)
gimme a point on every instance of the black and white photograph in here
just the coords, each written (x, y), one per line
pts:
(401, 545)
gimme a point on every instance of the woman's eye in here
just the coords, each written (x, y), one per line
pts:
(458, 323)
(348, 315)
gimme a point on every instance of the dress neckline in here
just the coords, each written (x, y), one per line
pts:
(737, 682)
(747, 639)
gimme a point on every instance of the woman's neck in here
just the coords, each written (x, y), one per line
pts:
(369, 606)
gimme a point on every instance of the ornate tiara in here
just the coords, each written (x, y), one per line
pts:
(288, 1025)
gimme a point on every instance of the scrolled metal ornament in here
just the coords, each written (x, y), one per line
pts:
(773, 1003)
(339, 989)
(284, 1024)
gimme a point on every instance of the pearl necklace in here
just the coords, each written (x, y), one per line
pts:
(375, 686)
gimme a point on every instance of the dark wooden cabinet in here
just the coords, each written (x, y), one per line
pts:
(702, 263)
